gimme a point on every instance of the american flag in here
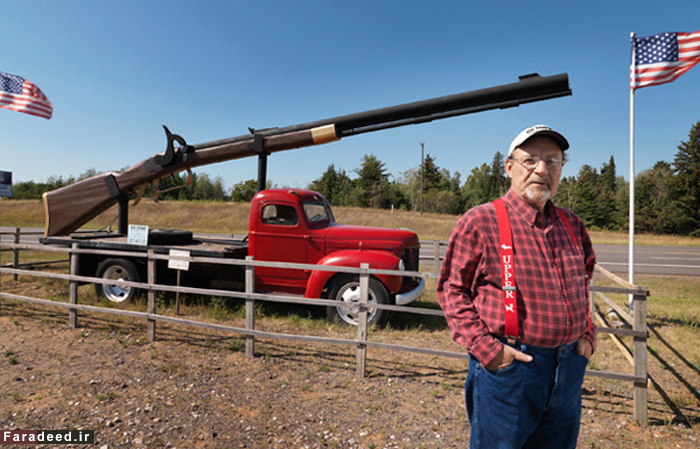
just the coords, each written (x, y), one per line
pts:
(20, 95)
(663, 57)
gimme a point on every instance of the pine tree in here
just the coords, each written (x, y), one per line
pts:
(372, 188)
(608, 216)
(477, 187)
(686, 167)
(335, 185)
(587, 197)
(657, 203)
(432, 178)
(498, 180)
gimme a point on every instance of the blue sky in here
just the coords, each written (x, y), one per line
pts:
(116, 71)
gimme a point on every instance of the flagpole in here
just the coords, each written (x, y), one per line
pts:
(632, 174)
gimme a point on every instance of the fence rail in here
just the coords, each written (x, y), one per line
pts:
(639, 332)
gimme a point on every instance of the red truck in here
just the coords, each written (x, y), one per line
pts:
(285, 225)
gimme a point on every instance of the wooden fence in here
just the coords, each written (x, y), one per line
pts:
(637, 320)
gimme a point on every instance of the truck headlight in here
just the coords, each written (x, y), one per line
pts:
(402, 266)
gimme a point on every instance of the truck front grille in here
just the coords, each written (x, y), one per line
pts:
(411, 257)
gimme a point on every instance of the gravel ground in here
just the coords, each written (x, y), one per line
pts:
(196, 389)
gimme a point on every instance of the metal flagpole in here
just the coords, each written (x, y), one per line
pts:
(633, 75)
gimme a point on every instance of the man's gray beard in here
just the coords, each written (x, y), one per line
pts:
(538, 195)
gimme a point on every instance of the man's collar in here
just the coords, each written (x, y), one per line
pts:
(527, 210)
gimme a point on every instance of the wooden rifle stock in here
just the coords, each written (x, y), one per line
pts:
(72, 206)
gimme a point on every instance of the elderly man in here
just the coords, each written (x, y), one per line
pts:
(513, 287)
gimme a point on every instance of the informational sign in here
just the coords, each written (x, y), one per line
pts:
(138, 235)
(179, 260)
(5, 183)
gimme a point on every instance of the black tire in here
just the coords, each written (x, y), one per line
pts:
(169, 237)
(346, 289)
(122, 269)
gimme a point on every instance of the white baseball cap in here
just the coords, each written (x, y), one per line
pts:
(538, 130)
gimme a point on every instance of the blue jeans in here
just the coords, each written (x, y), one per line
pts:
(527, 405)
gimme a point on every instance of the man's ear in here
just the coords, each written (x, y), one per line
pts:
(509, 167)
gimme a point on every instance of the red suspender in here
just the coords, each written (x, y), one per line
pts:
(505, 240)
(568, 227)
(570, 230)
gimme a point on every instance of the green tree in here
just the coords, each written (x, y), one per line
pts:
(686, 167)
(27, 190)
(622, 203)
(586, 192)
(608, 215)
(486, 183)
(208, 189)
(244, 191)
(431, 175)
(476, 189)
(335, 185)
(657, 204)
(372, 188)
(566, 194)
(441, 190)
(408, 185)
(498, 180)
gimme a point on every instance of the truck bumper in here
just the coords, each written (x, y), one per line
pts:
(410, 296)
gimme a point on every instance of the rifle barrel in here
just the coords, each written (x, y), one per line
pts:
(528, 89)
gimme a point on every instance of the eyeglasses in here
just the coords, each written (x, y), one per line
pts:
(530, 163)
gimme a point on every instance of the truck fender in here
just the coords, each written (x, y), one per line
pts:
(381, 260)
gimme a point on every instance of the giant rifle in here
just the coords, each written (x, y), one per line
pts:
(71, 206)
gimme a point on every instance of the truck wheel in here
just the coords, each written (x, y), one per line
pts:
(346, 288)
(121, 269)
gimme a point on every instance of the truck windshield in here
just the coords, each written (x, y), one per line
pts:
(319, 211)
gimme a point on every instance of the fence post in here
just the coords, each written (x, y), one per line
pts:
(73, 287)
(249, 307)
(1, 251)
(362, 323)
(15, 253)
(151, 326)
(640, 358)
(436, 257)
(591, 297)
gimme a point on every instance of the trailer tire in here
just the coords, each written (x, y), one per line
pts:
(121, 269)
(346, 288)
(169, 237)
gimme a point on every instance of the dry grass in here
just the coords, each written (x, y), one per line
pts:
(622, 238)
(225, 218)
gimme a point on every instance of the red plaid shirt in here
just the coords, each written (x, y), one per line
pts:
(550, 275)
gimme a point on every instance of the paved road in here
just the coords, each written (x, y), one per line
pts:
(32, 236)
(666, 260)
(684, 261)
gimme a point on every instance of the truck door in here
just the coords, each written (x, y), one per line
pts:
(281, 236)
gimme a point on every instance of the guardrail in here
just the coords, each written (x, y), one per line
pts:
(639, 331)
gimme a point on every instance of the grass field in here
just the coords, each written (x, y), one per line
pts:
(224, 218)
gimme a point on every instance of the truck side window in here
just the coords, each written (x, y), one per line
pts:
(279, 214)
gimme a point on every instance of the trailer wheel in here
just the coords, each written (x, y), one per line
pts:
(116, 269)
(346, 288)
(169, 237)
